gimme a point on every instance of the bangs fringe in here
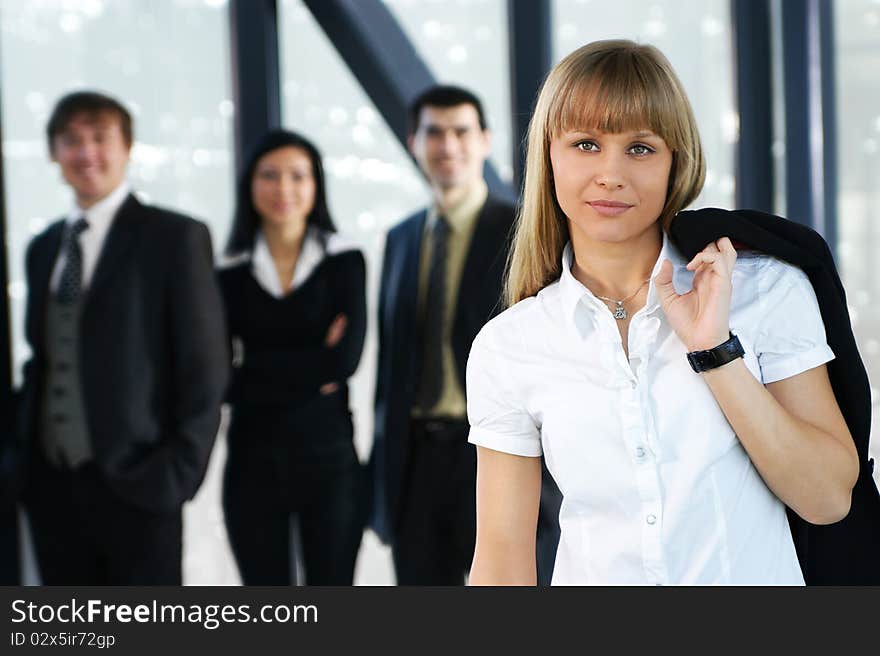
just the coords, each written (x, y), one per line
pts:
(617, 93)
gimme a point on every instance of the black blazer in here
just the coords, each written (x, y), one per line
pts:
(152, 350)
(478, 300)
(848, 552)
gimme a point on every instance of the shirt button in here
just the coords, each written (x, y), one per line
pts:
(640, 452)
(651, 519)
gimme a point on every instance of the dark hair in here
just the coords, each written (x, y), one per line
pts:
(246, 221)
(92, 103)
(443, 95)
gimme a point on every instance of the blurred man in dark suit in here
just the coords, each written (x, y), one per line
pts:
(121, 400)
(441, 282)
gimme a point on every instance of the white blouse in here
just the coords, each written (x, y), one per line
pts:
(657, 489)
(316, 245)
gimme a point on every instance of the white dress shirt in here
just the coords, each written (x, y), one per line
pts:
(657, 489)
(100, 217)
(311, 254)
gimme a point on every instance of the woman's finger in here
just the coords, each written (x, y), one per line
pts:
(717, 262)
(703, 258)
(725, 246)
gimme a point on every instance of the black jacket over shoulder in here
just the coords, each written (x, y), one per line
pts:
(152, 353)
(848, 552)
(477, 301)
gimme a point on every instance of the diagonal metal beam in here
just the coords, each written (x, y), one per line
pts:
(383, 60)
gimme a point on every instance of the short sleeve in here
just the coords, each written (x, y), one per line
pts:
(497, 415)
(791, 335)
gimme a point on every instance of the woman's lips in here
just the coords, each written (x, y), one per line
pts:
(609, 207)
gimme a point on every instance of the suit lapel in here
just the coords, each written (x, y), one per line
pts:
(486, 245)
(40, 284)
(412, 252)
(120, 240)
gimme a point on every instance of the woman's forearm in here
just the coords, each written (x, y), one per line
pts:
(503, 564)
(808, 467)
(508, 494)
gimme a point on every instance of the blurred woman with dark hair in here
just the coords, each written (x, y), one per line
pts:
(295, 302)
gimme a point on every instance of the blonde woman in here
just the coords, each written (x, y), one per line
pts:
(680, 405)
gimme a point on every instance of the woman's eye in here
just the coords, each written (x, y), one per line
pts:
(640, 149)
(587, 146)
(268, 175)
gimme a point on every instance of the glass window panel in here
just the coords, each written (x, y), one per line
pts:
(679, 28)
(168, 63)
(857, 38)
(151, 56)
(465, 43)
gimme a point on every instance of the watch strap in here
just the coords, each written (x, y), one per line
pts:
(708, 359)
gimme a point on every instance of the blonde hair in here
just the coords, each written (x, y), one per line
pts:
(612, 86)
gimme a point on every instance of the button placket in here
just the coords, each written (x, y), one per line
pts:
(652, 555)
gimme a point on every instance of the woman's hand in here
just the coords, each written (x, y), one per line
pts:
(334, 335)
(701, 318)
(336, 331)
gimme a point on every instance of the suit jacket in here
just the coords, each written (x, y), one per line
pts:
(400, 352)
(848, 552)
(152, 353)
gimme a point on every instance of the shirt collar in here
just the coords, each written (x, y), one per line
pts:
(101, 214)
(263, 267)
(574, 293)
(463, 213)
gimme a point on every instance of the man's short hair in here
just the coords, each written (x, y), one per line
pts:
(91, 103)
(443, 95)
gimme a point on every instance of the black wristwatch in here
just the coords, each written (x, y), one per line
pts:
(715, 357)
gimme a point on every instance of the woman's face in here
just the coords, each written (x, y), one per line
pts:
(283, 187)
(611, 186)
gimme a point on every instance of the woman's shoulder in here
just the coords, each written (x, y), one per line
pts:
(767, 271)
(230, 267)
(528, 316)
(760, 281)
(338, 250)
(337, 244)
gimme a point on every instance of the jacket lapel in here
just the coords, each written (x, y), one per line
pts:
(412, 252)
(120, 240)
(42, 273)
(485, 248)
(480, 281)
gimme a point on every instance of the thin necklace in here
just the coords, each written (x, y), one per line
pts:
(620, 311)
